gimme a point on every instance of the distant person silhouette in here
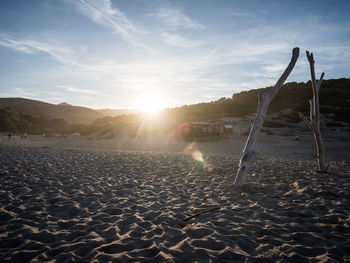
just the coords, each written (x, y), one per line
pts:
(25, 136)
(9, 135)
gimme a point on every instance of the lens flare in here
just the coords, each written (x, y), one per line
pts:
(197, 155)
(177, 133)
(189, 148)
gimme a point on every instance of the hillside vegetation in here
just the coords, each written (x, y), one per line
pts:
(47, 111)
(334, 102)
(334, 99)
(11, 121)
(115, 113)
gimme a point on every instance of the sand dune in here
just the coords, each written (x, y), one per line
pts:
(91, 205)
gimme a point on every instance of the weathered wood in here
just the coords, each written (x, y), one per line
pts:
(306, 120)
(202, 212)
(264, 99)
(314, 122)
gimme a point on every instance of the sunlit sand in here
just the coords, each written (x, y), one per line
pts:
(139, 201)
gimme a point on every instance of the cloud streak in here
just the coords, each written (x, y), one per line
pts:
(102, 13)
(175, 19)
(58, 52)
(180, 41)
(105, 15)
(78, 90)
(14, 44)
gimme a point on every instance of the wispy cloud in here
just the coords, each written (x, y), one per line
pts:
(274, 68)
(176, 19)
(14, 44)
(243, 14)
(58, 52)
(23, 93)
(78, 90)
(179, 40)
(102, 13)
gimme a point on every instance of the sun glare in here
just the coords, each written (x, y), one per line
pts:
(151, 103)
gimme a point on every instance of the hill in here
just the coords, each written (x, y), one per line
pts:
(47, 111)
(11, 121)
(283, 111)
(334, 100)
(115, 113)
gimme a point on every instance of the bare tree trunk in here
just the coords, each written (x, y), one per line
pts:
(265, 97)
(314, 122)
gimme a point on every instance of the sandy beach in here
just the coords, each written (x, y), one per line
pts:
(101, 201)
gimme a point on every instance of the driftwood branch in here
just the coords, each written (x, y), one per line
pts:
(265, 97)
(314, 122)
(308, 122)
(202, 212)
(319, 82)
(312, 115)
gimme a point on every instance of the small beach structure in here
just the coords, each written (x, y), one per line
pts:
(228, 129)
(203, 129)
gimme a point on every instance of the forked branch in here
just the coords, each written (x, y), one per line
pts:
(308, 122)
(314, 122)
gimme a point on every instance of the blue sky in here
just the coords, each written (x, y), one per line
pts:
(114, 53)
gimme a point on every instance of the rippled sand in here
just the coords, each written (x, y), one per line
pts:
(98, 205)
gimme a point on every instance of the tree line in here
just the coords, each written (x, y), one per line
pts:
(334, 100)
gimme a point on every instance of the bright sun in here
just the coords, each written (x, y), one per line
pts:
(151, 103)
